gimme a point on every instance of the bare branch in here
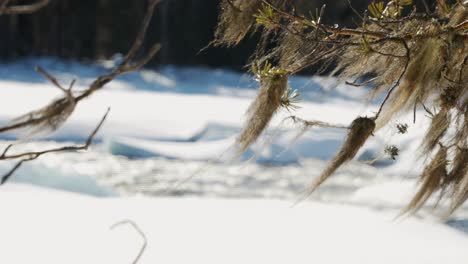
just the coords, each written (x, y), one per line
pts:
(315, 123)
(426, 7)
(140, 232)
(6, 150)
(22, 9)
(53, 115)
(7, 176)
(329, 29)
(361, 84)
(28, 156)
(126, 66)
(52, 79)
(354, 10)
(55, 109)
(397, 83)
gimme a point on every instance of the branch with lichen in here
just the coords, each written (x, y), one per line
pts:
(52, 116)
(415, 59)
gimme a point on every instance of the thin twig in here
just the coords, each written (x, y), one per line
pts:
(326, 28)
(361, 84)
(5, 151)
(358, 32)
(354, 10)
(398, 81)
(60, 109)
(426, 7)
(315, 123)
(431, 114)
(140, 232)
(125, 67)
(49, 77)
(22, 9)
(28, 156)
(387, 54)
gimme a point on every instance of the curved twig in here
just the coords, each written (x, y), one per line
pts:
(22, 9)
(140, 232)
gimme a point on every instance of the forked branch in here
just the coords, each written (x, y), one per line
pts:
(29, 156)
(55, 110)
(55, 114)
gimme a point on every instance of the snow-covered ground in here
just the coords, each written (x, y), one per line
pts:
(39, 226)
(168, 139)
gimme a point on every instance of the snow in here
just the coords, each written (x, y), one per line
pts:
(55, 227)
(164, 160)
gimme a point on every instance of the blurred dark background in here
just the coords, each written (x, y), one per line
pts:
(98, 29)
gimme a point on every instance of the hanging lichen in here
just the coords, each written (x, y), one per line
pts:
(360, 130)
(432, 180)
(273, 85)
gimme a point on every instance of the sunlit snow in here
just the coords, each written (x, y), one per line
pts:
(168, 140)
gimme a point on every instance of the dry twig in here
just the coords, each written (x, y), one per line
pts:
(29, 156)
(53, 115)
(21, 9)
(140, 232)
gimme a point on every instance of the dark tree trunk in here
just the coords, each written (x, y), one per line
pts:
(97, 29)
(103, 28)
